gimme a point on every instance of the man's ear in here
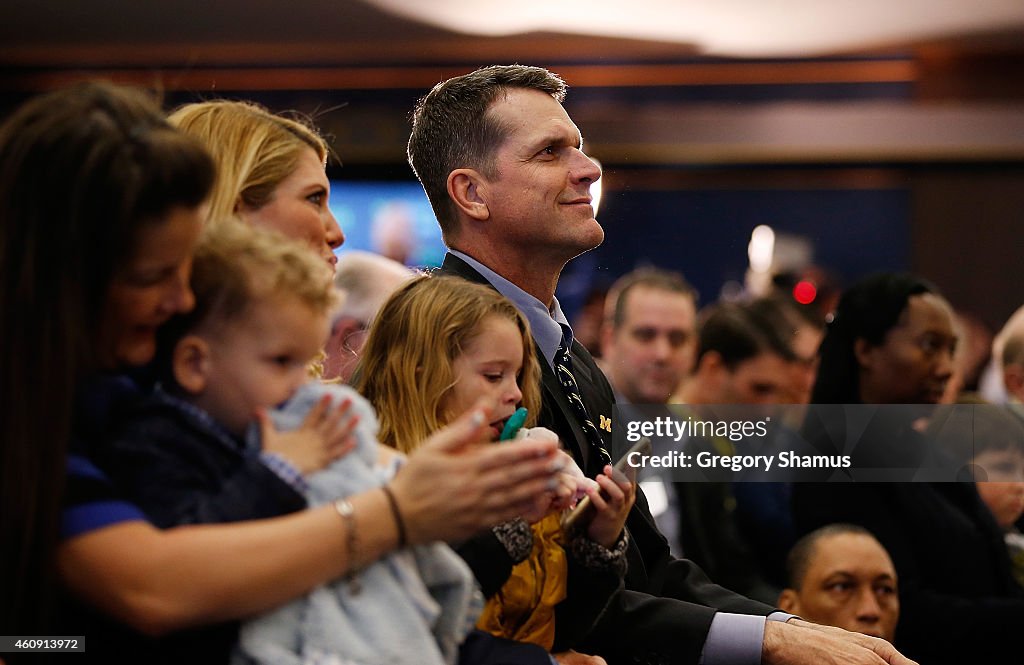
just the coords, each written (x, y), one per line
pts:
(713, 373)
(466, 189)
(607, 335)
(343, 328)
(711, 365)
(862, 352)
(191, 364)
(789, 601)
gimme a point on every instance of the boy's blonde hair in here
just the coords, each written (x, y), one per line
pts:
(254, 150)
(405, 367)
(237, 266)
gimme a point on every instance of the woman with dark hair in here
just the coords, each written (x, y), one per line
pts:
(100, 208)
(89, 179)
(866, 312)
(891, 341)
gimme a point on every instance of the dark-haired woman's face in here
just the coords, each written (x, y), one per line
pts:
(150, 288)
(914, 362)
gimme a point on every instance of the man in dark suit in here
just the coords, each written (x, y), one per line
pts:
(503, 167)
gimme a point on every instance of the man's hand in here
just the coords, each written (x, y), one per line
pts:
(798, 642)
(573, 658)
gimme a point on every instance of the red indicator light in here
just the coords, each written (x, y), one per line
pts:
(805, 292)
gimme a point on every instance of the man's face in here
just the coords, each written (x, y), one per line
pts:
(804, 368)
(651, 351)
(915, 360)
(539, 196)
(850, 583)
(763, 379)
(348, 334)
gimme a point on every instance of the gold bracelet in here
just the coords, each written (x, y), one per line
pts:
(348, 516)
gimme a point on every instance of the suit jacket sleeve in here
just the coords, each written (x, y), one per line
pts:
(588, 595)
(489, 561)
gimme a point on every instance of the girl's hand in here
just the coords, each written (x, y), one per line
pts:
(571, 482)
(562, 496)
(612, 504)
(324, 436)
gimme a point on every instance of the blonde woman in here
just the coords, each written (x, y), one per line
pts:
(270, 170)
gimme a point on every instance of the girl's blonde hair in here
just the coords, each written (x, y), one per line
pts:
(406, 365)
(254, 150)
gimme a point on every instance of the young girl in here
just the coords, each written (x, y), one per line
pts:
(436, 346)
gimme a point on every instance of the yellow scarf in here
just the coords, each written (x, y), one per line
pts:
(524, 608)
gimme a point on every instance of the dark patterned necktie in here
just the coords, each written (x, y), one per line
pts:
(563, 370)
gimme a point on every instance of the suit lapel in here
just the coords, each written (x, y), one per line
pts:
(581, 363)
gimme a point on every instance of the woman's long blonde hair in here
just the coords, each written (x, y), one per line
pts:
(405, 366)
(254, 150)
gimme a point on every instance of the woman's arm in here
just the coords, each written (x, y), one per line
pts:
(158, 581)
